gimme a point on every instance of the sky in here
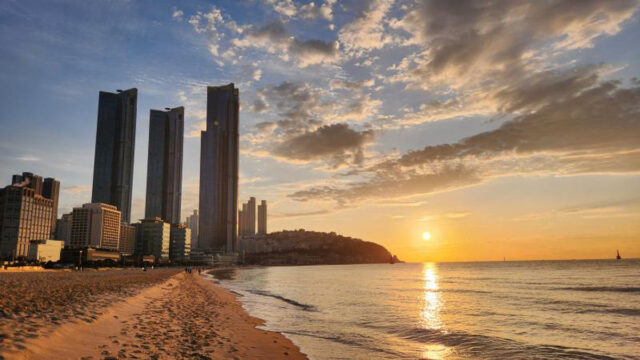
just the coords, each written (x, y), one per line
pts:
(505, 129)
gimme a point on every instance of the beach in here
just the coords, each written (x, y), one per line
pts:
(157, 314)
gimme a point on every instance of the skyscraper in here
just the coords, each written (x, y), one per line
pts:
(51, 190)
(219, 171)
(251, 216)
(115, 145)
(262, 218)
(164, 166)
(245, 219)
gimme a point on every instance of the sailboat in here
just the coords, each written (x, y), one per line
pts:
(618, 256)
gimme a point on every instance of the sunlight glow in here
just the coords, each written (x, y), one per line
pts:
(426, 235)
(430, 313)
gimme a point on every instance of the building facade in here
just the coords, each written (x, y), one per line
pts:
(45, 250)
(192, 223)
(48, 188)
(25, 215)
(63, 228)
(219, 171)
(114, 154)
(251, 216)
(97, 226)
(262, 218)
(180, 243)
(164, 166)
(127, 245)
(153, 238)
(51, 190)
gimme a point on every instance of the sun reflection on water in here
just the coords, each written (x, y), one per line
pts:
(430, 311)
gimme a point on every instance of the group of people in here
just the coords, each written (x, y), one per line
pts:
(189, 270)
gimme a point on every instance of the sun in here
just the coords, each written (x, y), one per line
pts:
(426, 235)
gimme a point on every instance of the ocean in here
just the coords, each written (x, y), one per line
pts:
(492, 310)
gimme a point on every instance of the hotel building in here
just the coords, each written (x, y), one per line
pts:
(96, 225)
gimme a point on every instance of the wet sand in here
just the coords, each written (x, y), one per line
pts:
(182, 316)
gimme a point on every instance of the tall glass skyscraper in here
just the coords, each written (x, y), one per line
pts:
(115, 145)
(219, 171)
(164, 165)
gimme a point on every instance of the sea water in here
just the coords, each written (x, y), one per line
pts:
(498, 310)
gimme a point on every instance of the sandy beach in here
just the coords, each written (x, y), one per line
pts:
(129, 314)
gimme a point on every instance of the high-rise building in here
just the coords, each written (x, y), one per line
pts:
(245, 219)
(153, 238)
(219, 171)
(48, 188)
(262, 218)
(193, 224)
(251, 216)
(25, 215)
(115, 146)
(63, 228)
(180, 239)
(51, 190)
(97, 226)
(127, 245)
(164, 167)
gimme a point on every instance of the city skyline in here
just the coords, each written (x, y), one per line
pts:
(363, 118)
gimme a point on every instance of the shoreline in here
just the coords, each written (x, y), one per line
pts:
(183, 317)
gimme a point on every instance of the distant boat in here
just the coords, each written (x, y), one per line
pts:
(618, 256)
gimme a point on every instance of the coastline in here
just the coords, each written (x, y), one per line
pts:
(183, 317)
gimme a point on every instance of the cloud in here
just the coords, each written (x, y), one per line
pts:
(177, 14)
(274, 38)
(289, 9)
(310, 126)
(389, 185)
(301, 214)
(337, 143)
(283, 7)
(313, 11)
(611, 209)
(298, 104)
(517, 94)
(466, 42)
(351, 85)
(457, 215)
(366, 32)
(594, 128)
(28, 158)
(77, 189)
(257, 74)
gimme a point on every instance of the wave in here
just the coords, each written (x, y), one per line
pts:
(302, 306)
(489, 347)
(360, 343)
(580, 307)
(471, 291)
(623, 289)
